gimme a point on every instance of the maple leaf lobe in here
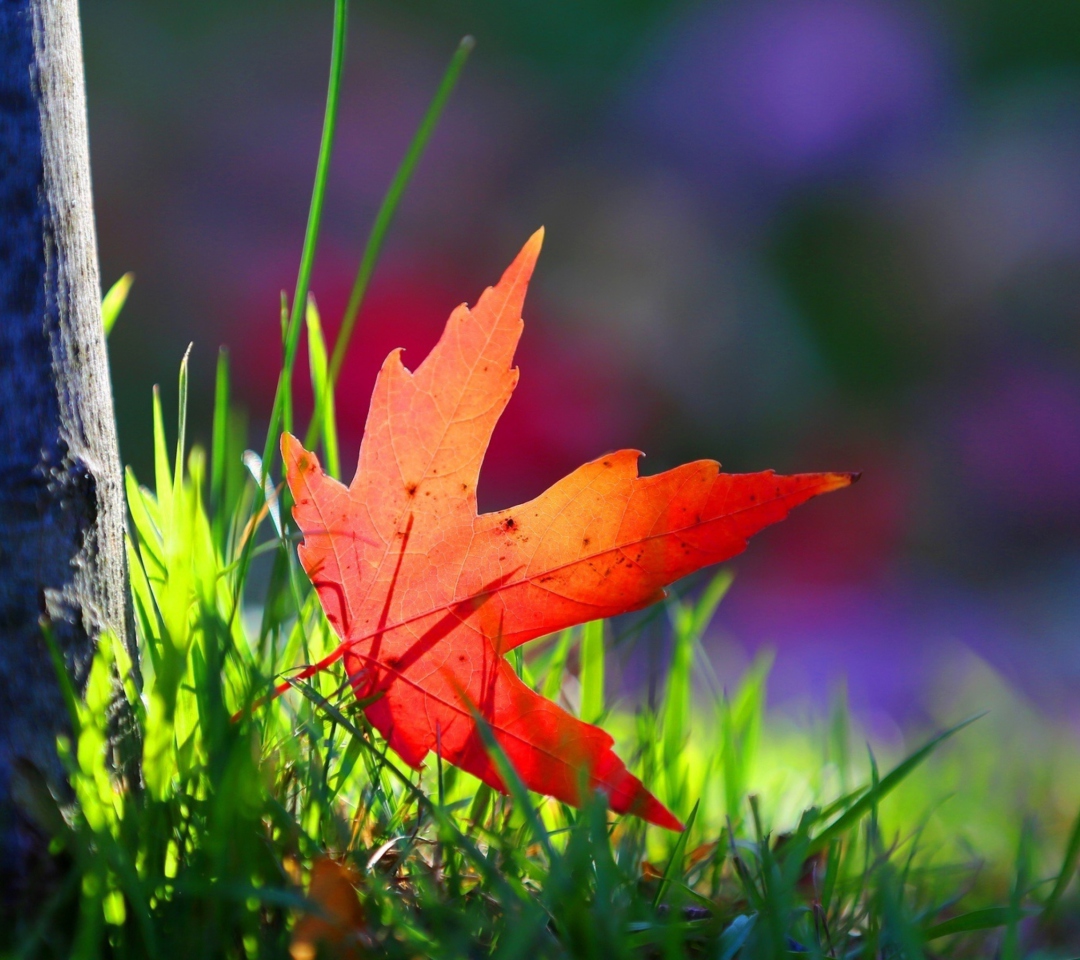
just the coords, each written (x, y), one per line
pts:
(428, 595)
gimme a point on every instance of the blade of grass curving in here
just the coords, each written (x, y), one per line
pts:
(1068, 867)
(986, 919)
(705, 609)
(383, 219)
(676, 856)
(113, 302)
(886, 785)
(314, 222)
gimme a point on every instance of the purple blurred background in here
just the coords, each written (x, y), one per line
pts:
(801, 234)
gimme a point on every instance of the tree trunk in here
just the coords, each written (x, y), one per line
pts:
(61, 490)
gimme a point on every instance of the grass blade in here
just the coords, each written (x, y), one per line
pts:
(1068, 867)
(735, 936)
(676, 856)
(592, 671)
(220, 439)
(384, 217)
(314, 222)
(162, 470)
(113, 302)
(557, 667)
(885, 786)
(986, 919)
(1010, 947)
(181, 424)
(321, 388)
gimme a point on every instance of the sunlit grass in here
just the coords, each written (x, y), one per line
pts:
(800, 835)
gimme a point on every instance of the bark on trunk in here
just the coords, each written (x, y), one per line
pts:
(61, 492)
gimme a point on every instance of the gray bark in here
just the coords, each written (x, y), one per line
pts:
(61, 492)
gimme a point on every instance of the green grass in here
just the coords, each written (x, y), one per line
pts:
(798, 841)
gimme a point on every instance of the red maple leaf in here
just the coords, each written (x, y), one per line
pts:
(428, 596)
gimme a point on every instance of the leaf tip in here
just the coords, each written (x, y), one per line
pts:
(526, 260)
(654, 812)
(837, 481)
(295, 456)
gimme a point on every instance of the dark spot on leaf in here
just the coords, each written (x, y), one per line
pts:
(411, 489)
(607, 463)
(304, 463)
(509, 523)
(461, 658)
(585, 542)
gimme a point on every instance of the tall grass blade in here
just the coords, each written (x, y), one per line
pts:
(220, 438)
(321, 387)
(282, 400)
(162, 471)
(592, 671)
(181, 425)
(384, 217)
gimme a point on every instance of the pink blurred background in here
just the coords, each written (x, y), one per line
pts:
(801, 234)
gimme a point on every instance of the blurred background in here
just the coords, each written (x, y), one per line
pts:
(801, 234)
